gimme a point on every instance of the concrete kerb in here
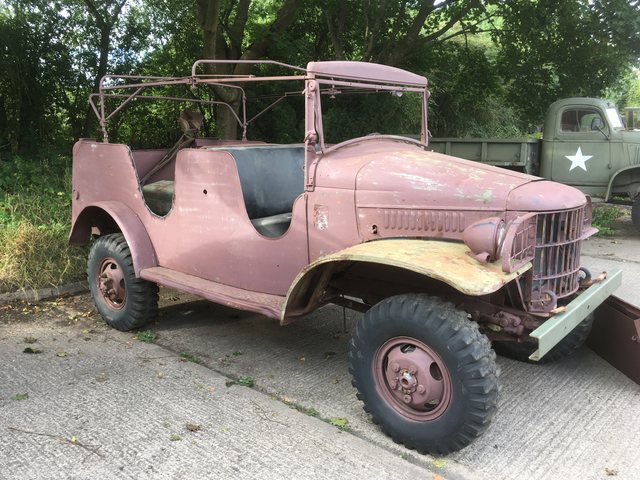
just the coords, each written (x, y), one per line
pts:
(44, 293)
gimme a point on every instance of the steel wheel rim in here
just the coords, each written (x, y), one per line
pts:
(111, 284)
(412, 379)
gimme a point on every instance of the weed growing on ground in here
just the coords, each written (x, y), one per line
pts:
(147, 336)
(604, 216)
(246, 381)
(187, 357)
(20, 396)
(340, 423)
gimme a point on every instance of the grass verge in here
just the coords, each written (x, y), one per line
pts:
(35, 212)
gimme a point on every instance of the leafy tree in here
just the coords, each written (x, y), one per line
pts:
(550, 50)
(225, 28)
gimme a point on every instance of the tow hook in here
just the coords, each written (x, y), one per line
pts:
(587, 280)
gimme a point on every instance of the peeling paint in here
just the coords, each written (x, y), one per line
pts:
(485, 197)
(419, 181)
(321, 217)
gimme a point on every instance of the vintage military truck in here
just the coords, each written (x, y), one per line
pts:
(584, 144)
(442, 255)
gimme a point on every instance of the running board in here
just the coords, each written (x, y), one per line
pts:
(615, 336)
(264, 303)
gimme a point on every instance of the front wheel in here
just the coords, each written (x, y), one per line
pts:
(635, 212)
(424, 372)
(124, 301)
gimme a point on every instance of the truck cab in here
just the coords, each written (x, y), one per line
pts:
(585, 145)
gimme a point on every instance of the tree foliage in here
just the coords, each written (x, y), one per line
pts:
(493, 66)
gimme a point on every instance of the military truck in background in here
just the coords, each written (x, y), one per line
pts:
(585, 144)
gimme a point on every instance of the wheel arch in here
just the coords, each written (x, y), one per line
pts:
(112, 217)
(629, 178)
(408, 264)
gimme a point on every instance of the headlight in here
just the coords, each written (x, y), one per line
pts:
(484, 238)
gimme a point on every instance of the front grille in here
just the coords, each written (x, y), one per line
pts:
(556, 262)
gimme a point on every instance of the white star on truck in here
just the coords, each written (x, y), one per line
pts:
(578, 160)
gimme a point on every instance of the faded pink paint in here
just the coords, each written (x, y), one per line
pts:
(365, 189)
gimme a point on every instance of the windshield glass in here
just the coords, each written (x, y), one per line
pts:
(614, 118)
(347, 115)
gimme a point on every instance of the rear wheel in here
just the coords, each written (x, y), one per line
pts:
(635, 212)
(522, 350)
(124, 301)
(424, 372)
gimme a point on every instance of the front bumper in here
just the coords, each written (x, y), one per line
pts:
(551, 332)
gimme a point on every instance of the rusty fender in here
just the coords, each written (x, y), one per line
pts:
(448, 262)
(142, 252)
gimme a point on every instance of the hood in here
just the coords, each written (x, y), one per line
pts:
(543, 195)
(412, 178)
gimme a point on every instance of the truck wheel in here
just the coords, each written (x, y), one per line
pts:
(424, 372)
(124, 301)
(635, 212)
(521, 350)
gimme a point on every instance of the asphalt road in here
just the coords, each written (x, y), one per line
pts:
(96, 403)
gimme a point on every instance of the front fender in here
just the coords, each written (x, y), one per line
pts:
(629, 178)
(448, 262)
(142, 252)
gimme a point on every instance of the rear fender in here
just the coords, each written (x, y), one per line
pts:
(447, 262)
(110, 217)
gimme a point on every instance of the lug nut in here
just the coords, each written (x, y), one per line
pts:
(407, 399)
(413, 370)
(395, 367)
(421, 389)
(393, 385)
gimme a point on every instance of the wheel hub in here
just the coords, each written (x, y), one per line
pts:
(414, 378)
(110, 283)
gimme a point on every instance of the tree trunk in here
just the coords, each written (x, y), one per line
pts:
(216, 47)
(103, 64)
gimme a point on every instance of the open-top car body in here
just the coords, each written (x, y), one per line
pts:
(441, 254)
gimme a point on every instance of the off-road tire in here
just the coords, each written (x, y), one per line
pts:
(140, 302)
(635, 212)
(568, 345)
(464, 352)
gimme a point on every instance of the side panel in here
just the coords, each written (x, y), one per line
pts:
(208, 234)
(332, 220)
(521, 154)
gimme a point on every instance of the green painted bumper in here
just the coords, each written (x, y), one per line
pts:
(559, 326)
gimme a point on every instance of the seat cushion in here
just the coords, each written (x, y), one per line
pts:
(159, 196)
(273, 226)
